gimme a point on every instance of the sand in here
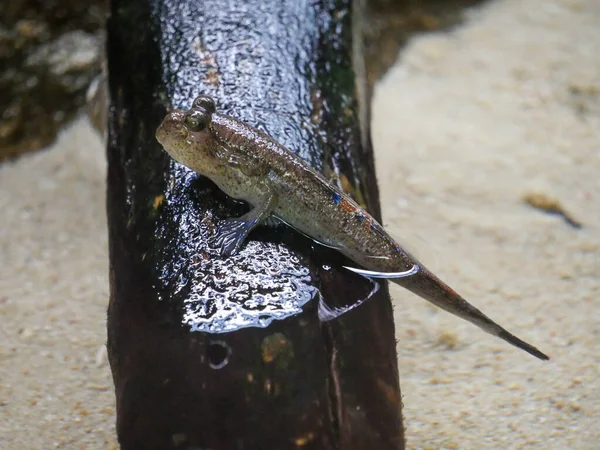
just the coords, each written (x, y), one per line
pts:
(55, 384)
(466, 125)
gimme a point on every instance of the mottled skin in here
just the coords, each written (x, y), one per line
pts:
(249, 165)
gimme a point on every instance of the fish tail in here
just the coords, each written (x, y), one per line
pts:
(431, 288)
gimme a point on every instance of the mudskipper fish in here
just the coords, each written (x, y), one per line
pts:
(250, 165)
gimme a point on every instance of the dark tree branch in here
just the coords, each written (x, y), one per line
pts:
(181, 382)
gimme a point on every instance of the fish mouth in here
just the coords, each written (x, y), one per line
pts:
(172, 128)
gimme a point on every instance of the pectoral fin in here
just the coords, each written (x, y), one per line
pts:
(232, 233)
(230, 236)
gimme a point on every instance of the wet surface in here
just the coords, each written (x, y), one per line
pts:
(215, 56)
(218, 354)
(211, 293)
(186, 327)
(264, 282)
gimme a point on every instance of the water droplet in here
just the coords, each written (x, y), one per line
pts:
(218, 354)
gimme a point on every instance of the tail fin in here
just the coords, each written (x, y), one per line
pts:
(426, 285)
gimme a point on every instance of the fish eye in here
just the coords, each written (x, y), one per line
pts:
(197, 120)
(204, 102)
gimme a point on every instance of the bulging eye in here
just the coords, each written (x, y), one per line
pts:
(197, 120)
(204, 102)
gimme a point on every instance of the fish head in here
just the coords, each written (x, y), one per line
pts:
(185, 135)
(172, 131)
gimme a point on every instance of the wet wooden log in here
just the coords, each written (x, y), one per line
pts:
(230, 353)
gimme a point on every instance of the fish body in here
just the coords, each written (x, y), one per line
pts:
(250, 165)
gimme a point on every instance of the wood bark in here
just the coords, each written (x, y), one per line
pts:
(289, 382)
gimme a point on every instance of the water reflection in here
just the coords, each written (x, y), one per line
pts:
(218, 354)
(265, 281)
(262, 283)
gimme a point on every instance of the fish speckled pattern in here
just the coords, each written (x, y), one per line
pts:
(249, 165)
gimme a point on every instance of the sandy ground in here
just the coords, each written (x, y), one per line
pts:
(466, 125)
